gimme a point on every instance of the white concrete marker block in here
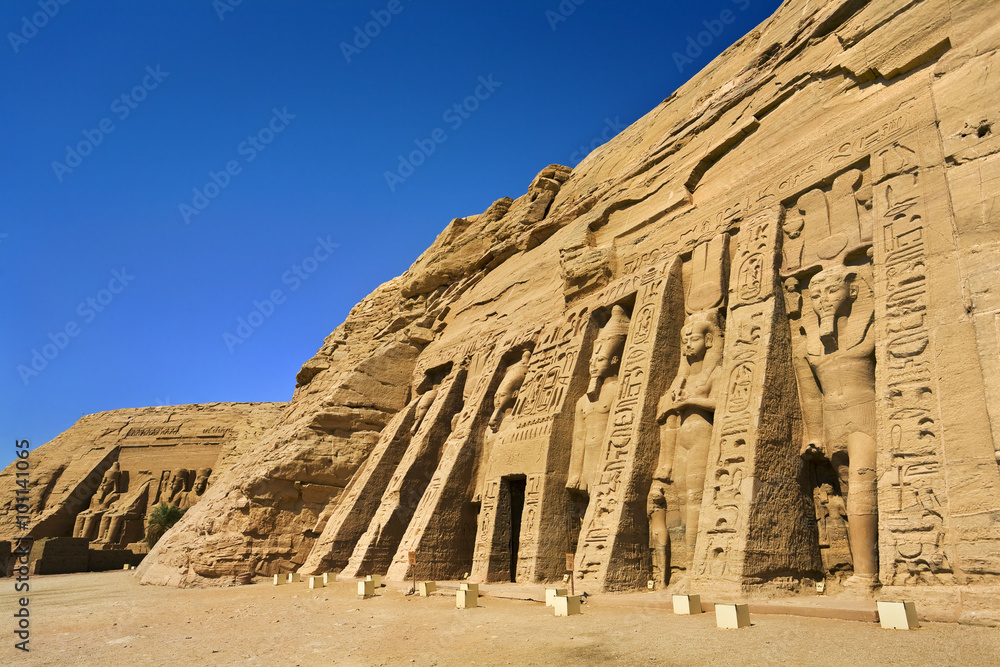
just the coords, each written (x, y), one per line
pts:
(466, 599)
(366, 587)
(567, 605)
(329, 578)
(897, 615)
(687, 604)
(280, 579)
(316, 582)
(126, 566)
(293, 577)
(732, 616)
(427, 587)
(469, 587)
(551, 593)
(376, 580)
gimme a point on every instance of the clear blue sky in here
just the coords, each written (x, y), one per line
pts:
(114, 113)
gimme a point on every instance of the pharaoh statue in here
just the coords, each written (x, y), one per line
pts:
(172, 488)
(594, 408)
(503, 400)
(176, 487)
(836, 376)
(189, 499)
(129, 508)
(686, 413)
(88, 521)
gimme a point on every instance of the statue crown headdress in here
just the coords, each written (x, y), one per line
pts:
(617, 326)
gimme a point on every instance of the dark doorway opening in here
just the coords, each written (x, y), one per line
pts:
(515, 487)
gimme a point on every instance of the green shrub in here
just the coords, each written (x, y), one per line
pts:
(161, 519)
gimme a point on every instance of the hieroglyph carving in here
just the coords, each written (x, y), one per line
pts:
(915, 546)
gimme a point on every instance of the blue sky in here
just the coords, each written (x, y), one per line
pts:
(169, 164)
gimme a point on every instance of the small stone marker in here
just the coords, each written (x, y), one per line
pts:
(897, 615)
(466, 599)
(316, 582)
(474, 588)
(293, 577)
(126, 566)
(565, 578)
(687, 604)
(732, 616)
(427, 587)
(650, 585)
(567, 605)
(280, 579)
(329, 578)
(551, 594)
(366, 588)
(376, 580)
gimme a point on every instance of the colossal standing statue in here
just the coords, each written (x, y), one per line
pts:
(836, 377)
(686, 414)
(594, 407)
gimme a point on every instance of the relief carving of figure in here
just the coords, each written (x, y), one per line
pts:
(594, 408)
(686, 413)
(836, 377)
(88, 521)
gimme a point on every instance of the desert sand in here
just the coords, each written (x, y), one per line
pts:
(110, 619)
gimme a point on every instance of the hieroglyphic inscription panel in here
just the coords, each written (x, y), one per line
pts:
(914, 546)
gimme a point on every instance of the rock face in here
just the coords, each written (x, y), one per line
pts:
(100, 479)
(750, 343)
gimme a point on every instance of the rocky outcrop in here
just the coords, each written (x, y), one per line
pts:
(266, 514)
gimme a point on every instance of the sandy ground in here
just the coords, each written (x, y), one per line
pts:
(109, 619)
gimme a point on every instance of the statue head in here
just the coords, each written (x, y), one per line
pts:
(791, 285)
(109, 483)
(696, 339)
(178, 481)
(609, 346)
(831, 292)
(201, 481)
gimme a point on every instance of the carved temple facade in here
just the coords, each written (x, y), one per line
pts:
(798, 390)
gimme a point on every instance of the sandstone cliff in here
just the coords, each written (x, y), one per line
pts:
(884, 109)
